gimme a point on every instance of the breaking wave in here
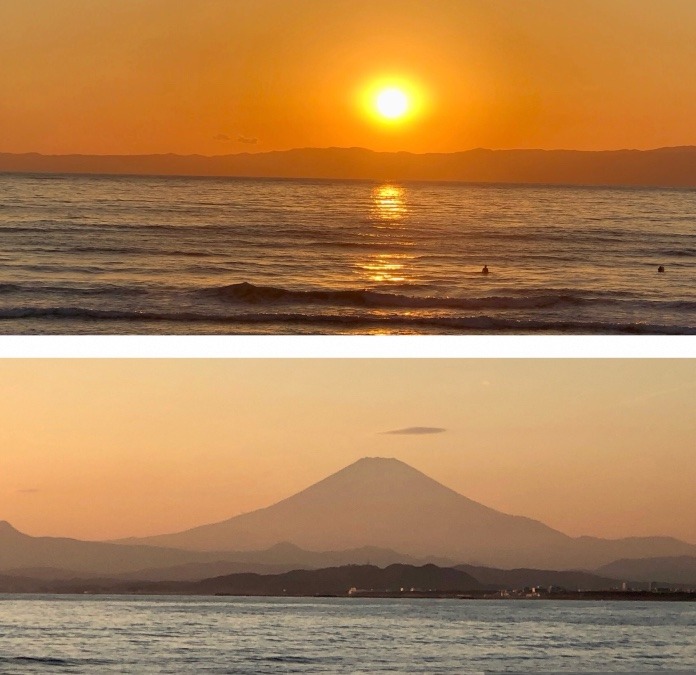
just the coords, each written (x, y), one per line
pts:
(259, 295)
(336, 321)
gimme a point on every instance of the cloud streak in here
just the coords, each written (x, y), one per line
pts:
(416, 431)
(247, 140)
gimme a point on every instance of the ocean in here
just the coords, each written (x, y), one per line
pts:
(109, 634)
(152, 255)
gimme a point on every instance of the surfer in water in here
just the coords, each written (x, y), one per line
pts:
(661, 268)
(485, 269)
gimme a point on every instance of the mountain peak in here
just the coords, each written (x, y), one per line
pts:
(381, 465)
(6, 528)
(377, 459)
(285, 548)
(372, 476)
(378, 462)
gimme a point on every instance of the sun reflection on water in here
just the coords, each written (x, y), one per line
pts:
(388, 215)
(384, 267)
(389, 203)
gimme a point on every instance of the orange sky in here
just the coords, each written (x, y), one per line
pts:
(110, 448)
(156, 76)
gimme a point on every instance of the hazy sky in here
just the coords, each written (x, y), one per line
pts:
(108, 448)
(221, 76)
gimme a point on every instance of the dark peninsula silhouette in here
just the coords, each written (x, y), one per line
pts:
(359, 581)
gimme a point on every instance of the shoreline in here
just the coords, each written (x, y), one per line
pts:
(596, 596)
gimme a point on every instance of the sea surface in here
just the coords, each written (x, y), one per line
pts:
(118, 634)
(144, 255)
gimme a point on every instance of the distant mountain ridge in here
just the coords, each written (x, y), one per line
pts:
(111, 567)
(674, 570)
(18, 550)
(666, 167)
(64, 558)
(387, 504)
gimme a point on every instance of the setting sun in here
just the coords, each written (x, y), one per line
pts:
(392, 103)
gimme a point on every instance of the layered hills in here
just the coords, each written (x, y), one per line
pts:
(49, 556)
(65, 558)
(661, 167)
(676, 569)
(376, 512)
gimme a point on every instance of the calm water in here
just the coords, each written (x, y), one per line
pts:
(278, 635)
(125, 255)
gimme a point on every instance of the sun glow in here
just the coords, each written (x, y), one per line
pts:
(392, 101)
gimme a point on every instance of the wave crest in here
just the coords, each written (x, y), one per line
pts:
(245, 292)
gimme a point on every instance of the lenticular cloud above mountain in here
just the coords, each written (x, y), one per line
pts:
(417, 431)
